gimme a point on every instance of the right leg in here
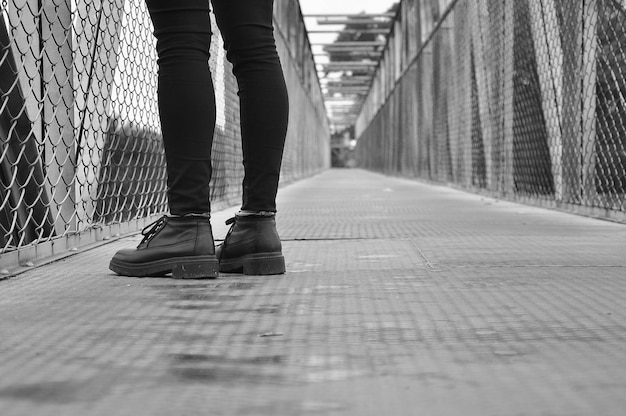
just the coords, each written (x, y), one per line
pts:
(186, 100)
(181, 244)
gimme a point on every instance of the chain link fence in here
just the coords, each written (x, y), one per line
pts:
(524, 99)
(81, 156)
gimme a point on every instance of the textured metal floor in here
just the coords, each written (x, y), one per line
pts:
(400, 299)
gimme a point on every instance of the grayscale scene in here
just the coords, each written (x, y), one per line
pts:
(313, 207)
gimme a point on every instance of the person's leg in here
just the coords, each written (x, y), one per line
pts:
(186, 100)
(247, 29)
(252, 245)
(183, 242)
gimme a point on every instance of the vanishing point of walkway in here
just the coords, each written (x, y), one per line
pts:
(401, 298)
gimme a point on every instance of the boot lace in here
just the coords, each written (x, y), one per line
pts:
(230, 230)
(153, 229)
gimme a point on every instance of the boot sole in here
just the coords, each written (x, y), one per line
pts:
(258, 264)
(192, 267)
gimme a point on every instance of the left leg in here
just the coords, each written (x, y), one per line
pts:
(253, 245)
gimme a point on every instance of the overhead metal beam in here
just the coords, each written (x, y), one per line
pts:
(347, 87)
(365, 15)
(352, 63)
(344, 95)
(342, 122)
(360, 52)
(363, 93)
(347, 80)
(355, 54)
(347, 92)
(362, 49)
(331, 104)
(335, 104)
(351, 78)
(338, 22)
(336, 87)
(346, 84)
(346, 68)
(351, 31)
(351, 96)
(330, 100)
(350, 44)
(348, 65)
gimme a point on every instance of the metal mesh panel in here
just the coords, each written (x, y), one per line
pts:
(521, 98)
(80, 144)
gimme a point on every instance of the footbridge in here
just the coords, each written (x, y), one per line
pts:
(466, 258)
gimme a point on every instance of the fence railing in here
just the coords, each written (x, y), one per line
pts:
(520, 98)
(81, 156)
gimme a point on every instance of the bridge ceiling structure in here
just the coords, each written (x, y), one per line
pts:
(347, 48)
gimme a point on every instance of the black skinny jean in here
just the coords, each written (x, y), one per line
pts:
(187, 99)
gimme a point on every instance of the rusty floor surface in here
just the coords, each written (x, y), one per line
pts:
(401, 298)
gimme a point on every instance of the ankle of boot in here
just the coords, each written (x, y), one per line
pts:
(246, 213)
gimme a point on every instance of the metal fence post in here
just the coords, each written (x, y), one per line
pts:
(482, 45)
(589, 73)
(549, 55)
(572, 99)
(460, 116)
(507, 73)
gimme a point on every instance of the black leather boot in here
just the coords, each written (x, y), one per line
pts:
(182, 246)
(252, 246)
